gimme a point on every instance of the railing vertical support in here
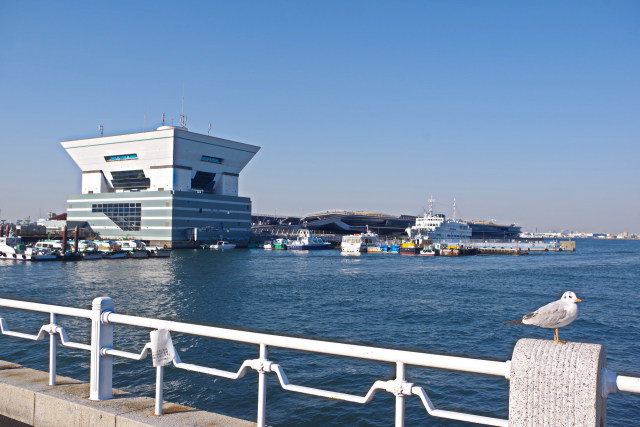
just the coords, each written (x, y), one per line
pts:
(159, 386)
(400, 371)
(262, 389)
(52, 350)
(101, 336)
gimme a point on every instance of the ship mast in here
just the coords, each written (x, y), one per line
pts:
(431, 200)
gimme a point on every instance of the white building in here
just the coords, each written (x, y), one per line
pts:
(160, 185)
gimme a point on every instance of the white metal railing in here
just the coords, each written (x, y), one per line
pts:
(103, 319)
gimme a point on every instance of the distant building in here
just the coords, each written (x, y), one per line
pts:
(160, 186)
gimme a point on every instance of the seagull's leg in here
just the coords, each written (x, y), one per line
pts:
(556, 339)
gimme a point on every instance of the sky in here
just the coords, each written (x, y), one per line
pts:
(525, 112)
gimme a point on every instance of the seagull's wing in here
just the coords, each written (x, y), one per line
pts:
(548, 316)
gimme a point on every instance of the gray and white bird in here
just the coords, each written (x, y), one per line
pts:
(553, 315)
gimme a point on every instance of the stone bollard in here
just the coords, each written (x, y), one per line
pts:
(555, 384)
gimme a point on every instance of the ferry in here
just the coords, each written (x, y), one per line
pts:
(359, 243)
(439, 229)
(307, 241)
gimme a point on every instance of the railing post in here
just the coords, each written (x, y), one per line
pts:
(400, 396)
(101, 365)
(262, 388)
(159, 386)
(52, 350)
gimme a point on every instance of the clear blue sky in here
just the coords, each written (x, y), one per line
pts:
(525, 112)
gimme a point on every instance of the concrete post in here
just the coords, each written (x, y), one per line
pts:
(100, 387)
(555, 384)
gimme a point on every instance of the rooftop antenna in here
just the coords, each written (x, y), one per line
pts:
(183, 117)
(101, 130)
(209, 131)
(162, 119)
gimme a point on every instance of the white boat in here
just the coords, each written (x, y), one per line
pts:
(360, 243)
(439, 229)
(222, 245)
(267, 245)
(12, 248)
(134, 248)
(307, 241)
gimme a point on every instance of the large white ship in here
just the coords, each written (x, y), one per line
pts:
(439, 229)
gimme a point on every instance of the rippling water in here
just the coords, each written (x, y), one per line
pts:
(442, 305)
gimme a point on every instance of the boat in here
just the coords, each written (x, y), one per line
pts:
(409, 248)
(439, 229)
(267, 245)
(12, 248)
(428, 252)
(110, 249)
(280, 244)
(89, 250)
(360, 243)
(134, 248)
(222, 245)
(307, 241)
(159, 252)
(119, 254)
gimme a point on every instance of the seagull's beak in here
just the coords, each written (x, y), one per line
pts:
(578, 300)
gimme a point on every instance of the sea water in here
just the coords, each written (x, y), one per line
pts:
(441, 305)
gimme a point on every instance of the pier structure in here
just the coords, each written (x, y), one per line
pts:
(549, 383)
(159, 186)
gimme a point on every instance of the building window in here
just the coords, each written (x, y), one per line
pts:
(203, 181)
(211, 159)
(127, 216)
(119, 157)
(130, 180)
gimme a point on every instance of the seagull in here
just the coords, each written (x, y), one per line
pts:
(553, 315)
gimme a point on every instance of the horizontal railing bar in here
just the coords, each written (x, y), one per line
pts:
(630, 384)
(441, 413)
(488, 367)
(45, 308)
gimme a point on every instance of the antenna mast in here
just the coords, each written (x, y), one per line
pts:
(431, 200)
(101, 128)
(454, 208)
(183, 118)
(209, 131)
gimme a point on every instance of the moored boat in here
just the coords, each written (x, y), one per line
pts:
(12, 248)
(134, 248)
(360, 243)
(280, 244)
(159, 252)
(222, 245)
(307, 241)
(267, 245)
